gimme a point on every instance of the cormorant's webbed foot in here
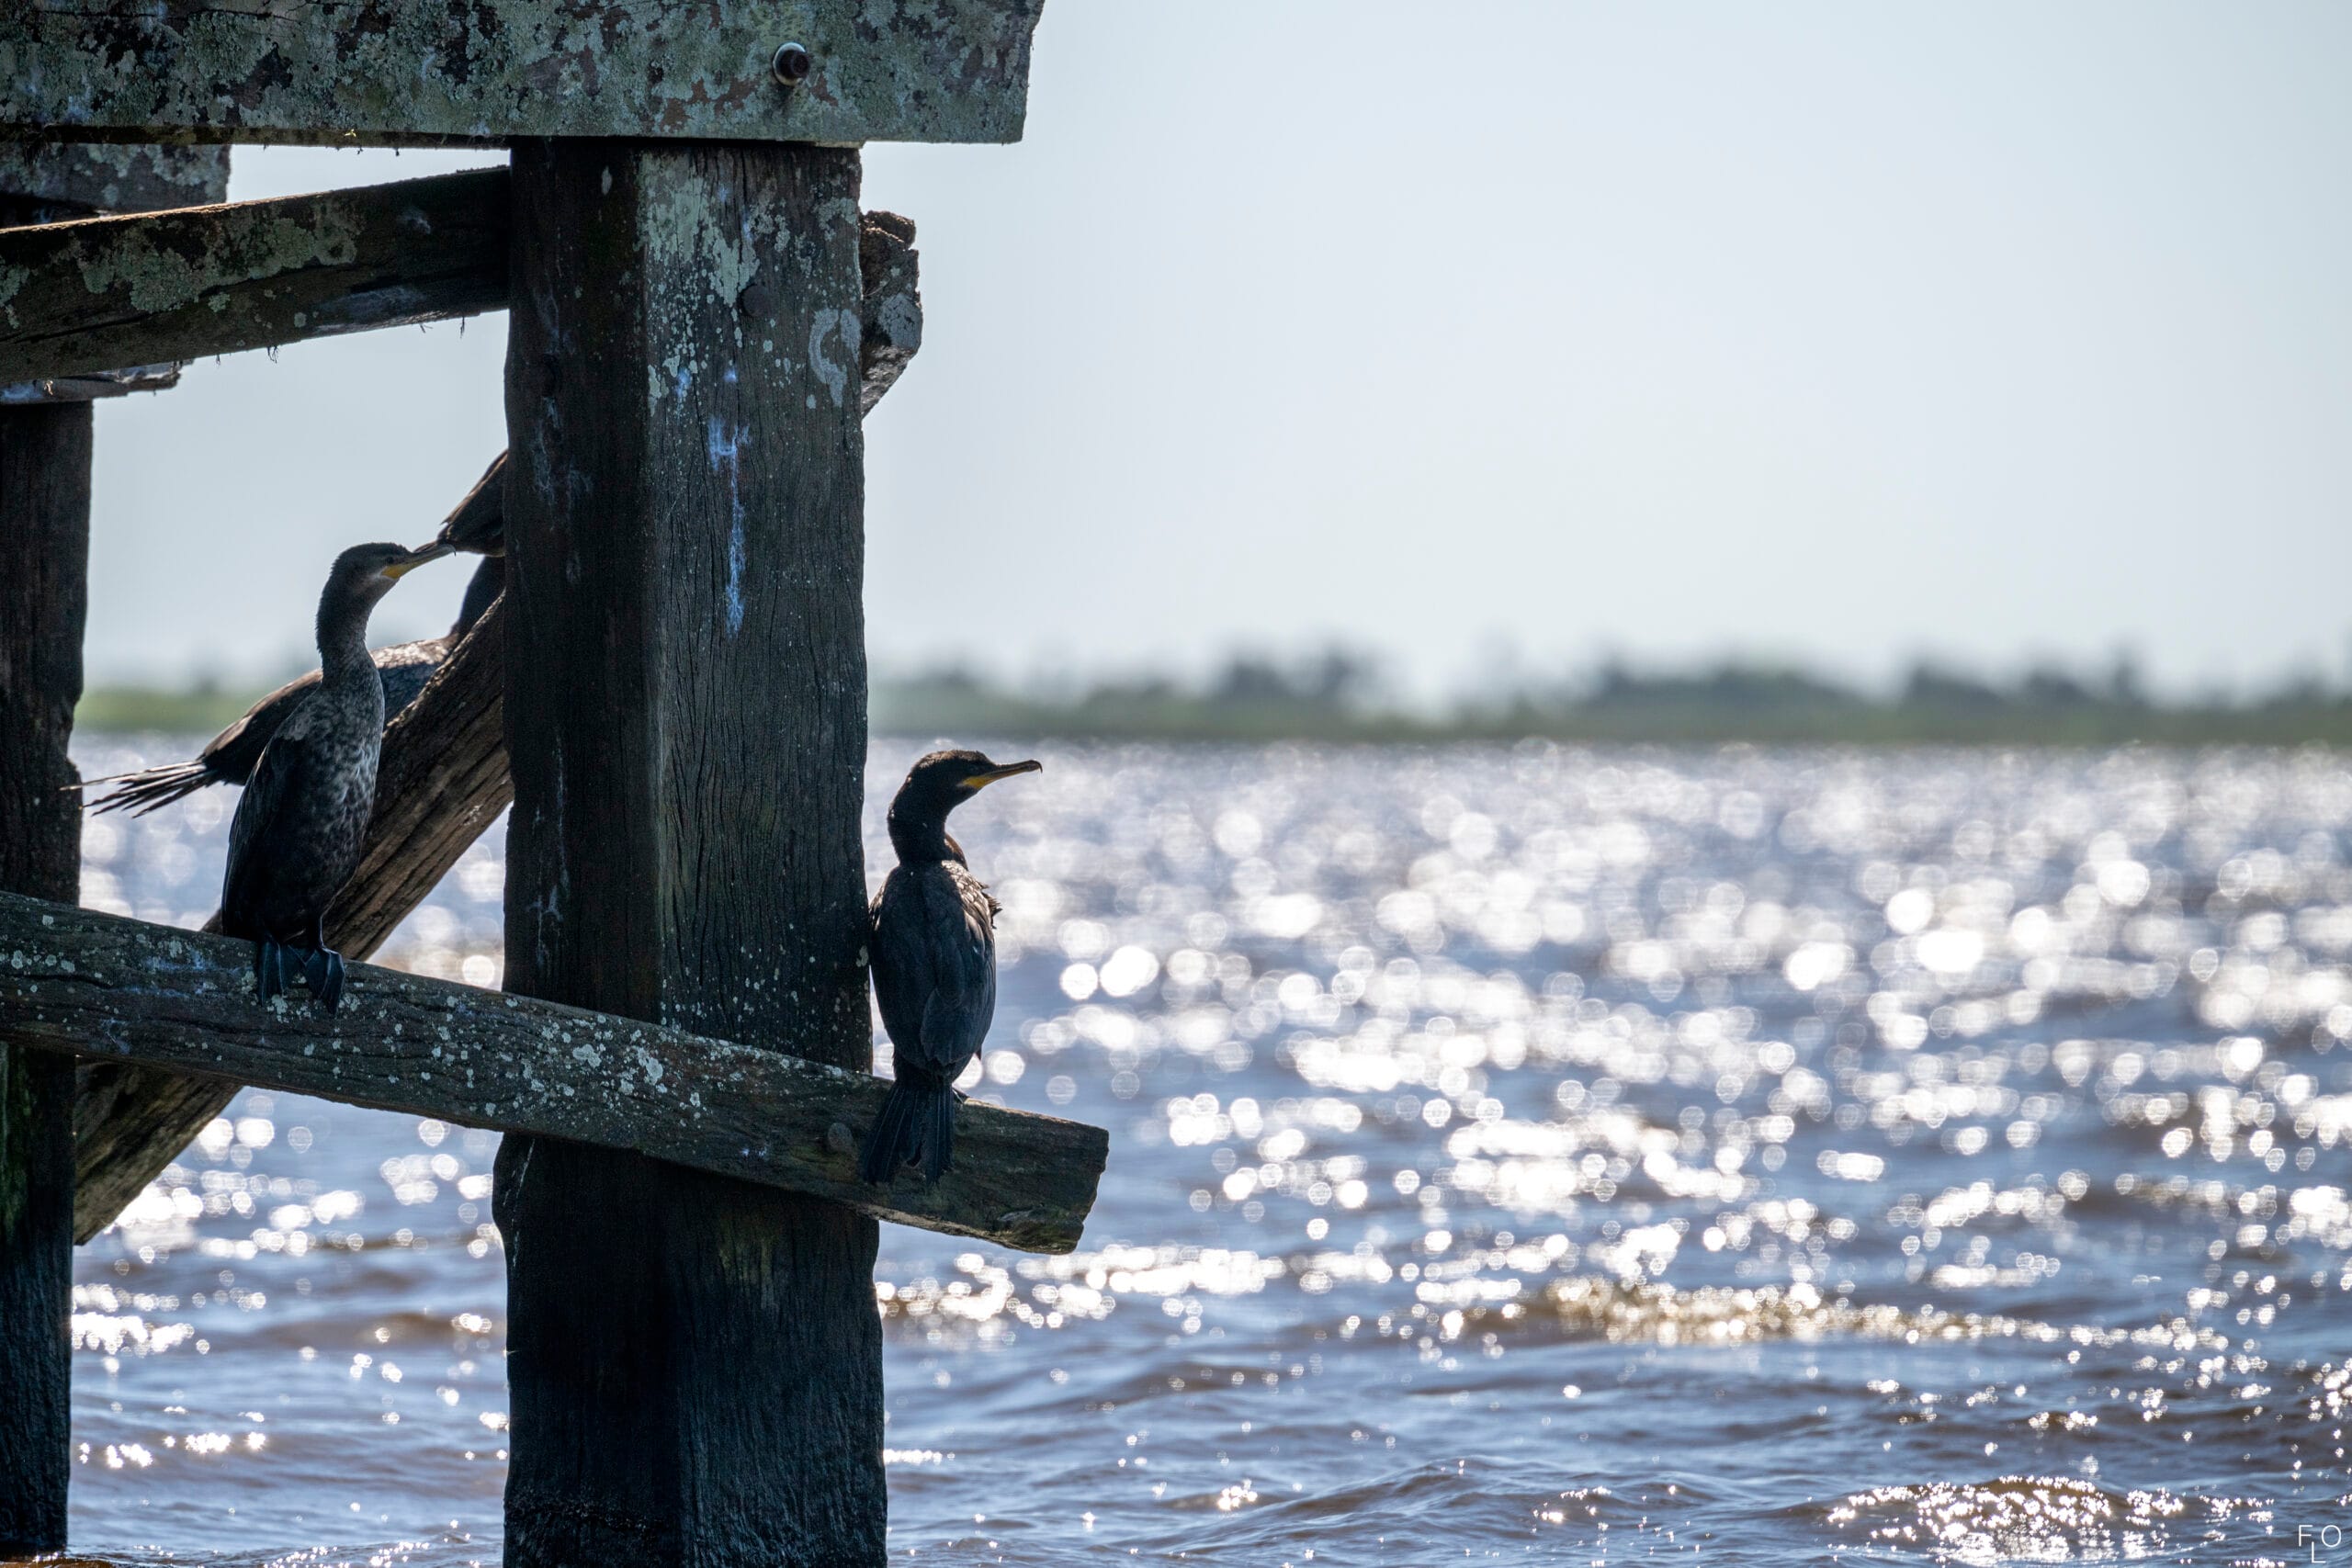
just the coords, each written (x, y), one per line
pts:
(322, 972)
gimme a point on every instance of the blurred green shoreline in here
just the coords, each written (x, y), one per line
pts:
(1337, 697)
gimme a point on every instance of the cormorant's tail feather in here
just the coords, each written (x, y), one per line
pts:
(149, 787)
(938, 1132)
(916, 1127)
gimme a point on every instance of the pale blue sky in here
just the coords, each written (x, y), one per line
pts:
(1834, 331)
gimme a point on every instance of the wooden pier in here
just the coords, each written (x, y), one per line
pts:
(671, 692)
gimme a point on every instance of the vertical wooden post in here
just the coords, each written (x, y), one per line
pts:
(44, 600)
(44, 595)
(695, 1365)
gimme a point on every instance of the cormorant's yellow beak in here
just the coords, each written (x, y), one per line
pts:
(980, 781)
(417, 557)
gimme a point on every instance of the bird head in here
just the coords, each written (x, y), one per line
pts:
(367, 572)
(937, 785)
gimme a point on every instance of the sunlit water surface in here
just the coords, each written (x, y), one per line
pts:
(1561, 1155)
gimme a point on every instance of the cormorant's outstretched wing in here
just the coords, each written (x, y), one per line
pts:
(227, 758)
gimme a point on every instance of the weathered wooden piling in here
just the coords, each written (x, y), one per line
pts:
(44, 538)
(45, 446)
(695, 1367)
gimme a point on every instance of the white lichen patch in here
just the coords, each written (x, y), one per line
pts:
(236, 245)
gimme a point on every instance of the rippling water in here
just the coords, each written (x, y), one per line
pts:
(1544, 1153)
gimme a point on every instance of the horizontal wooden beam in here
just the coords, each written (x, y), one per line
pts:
(357, 73)
(81, 297)
(97, 985)
(102, 292)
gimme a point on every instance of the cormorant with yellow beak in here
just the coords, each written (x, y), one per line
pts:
(933, 954)
(298, 828)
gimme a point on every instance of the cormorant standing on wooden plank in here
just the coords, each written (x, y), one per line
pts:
(229, 757)
(934, 955)
(304, 814)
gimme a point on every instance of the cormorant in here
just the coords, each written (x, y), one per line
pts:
(300, 825)
(933, 947)
(229, 757)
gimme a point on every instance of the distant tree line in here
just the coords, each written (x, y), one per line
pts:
(1341, 695)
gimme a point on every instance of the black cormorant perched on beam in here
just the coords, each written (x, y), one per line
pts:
(934, 955)
(300, 825)
(229, 757)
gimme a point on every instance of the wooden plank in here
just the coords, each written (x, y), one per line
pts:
(80, 298)
(686, 727)
(44, 558)
(79, 981)
(442, 780)
(102, 292)
(392, 72)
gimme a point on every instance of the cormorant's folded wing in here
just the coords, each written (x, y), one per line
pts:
(960, 944)
(287, 771)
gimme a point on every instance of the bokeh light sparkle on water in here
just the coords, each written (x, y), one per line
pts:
(1773, 1156)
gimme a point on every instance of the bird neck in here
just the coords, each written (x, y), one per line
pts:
(921, 839)
(343, 635)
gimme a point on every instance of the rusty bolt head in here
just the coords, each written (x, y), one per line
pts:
(791, 64)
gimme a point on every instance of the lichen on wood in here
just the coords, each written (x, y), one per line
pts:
(47, 182)
(393, 72)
